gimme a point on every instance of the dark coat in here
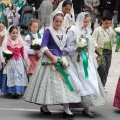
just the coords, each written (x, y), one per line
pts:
(109, 5)
(35, 2)
(78, 5)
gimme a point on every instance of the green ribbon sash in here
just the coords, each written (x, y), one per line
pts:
(64, 74)
(85, 62)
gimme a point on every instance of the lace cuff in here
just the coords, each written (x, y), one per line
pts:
(43, 49)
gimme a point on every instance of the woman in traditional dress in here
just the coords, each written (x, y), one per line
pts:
(67, 8)
(46, 86)
(93, 92)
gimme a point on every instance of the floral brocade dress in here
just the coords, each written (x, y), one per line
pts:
(15, 77)
(46, 86)
(116, 102)
(93, 93)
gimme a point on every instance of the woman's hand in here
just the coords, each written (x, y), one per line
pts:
(36, 52)
(54, 59)
(77, 50)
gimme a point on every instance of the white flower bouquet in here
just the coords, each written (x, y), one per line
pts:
(82, 45)
(36, 44)
(7, 55)
(81, 42)
(64, 62)
(82, 53)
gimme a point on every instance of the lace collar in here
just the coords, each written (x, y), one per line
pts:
(60, 43)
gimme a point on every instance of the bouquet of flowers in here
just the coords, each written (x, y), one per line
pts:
(117, 30)
(7, 55)
(36, 44)
(82, 48)
(100, 55)
(62, 64)
(82, 45)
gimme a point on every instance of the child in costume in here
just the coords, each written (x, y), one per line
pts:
(33, 34)
(15, 79)
(47, 86)
(81, 51)
(104, 38)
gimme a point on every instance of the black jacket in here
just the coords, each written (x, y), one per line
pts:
(109, 5)
(77, 5)
(35, 2)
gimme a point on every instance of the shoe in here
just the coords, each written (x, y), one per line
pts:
(84, 113)
(43, 112)
(15, 96)
(66, 115)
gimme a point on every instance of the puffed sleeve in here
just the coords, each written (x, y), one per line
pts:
(70, 47)
(95, 37)
(27, 46)
(45, 40)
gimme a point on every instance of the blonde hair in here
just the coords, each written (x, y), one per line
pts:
(33, 20)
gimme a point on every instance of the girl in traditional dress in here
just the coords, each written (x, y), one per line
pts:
(93, 93)
(15, 78)
(14, 15)
(46, 86)
(3, 15)
(33, 55)
(116, 102)
(2, 34)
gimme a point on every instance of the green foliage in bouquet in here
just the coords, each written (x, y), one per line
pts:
(102, 59)
(60, 68)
